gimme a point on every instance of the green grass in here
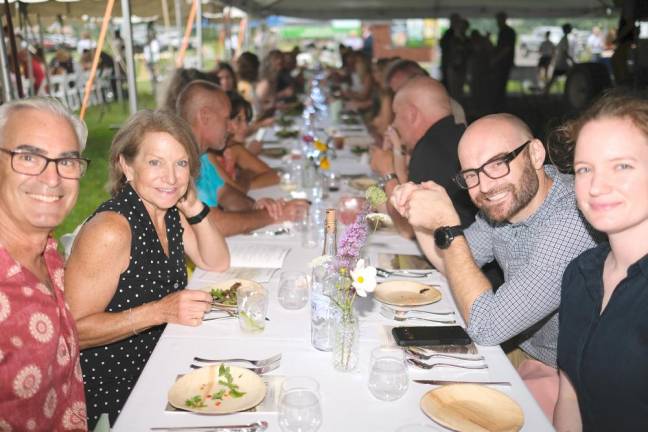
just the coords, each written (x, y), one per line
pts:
(102, 124)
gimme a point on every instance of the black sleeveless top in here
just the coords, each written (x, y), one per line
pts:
(111, 371)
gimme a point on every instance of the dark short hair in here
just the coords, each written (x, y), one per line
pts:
(239, 103)
(248, 67)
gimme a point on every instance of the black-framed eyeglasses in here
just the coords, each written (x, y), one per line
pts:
(494, 169)
(33, 164)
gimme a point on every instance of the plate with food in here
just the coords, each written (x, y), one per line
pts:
(362, 183)
(274, 152)
(406, 293)
(287, 133)
(224, 293)
(472, 407)
(217, 389)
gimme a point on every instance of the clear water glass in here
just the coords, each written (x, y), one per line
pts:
(388, 378)
(299, 405)
(252, 302)
(293, 290)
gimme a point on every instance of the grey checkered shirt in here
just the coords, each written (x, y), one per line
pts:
(533, 255)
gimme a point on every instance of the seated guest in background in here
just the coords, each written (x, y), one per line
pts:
(528, 222)
(226, 76)
(237, 165)
(400, 71)
(424, 132)
(41, 386)
(602, 345)
(178, 81)
(207, 109)
(384, 115)
(126, 275)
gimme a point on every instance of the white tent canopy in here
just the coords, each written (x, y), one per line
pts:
(388, 9)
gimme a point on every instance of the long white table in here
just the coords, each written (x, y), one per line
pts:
(347, 403)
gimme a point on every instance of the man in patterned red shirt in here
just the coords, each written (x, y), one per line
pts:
(41, 387)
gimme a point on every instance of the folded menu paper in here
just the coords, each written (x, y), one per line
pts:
(256, 262)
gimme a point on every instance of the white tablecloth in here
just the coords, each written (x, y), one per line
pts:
(347, 403)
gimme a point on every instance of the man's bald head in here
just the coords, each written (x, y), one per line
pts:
(417, 106)
(493, 134)
(197, 95)
(500, 153)
(206, 107)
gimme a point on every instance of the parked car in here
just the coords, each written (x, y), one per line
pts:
(530, 43)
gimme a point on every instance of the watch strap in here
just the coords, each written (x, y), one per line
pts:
(200, 216)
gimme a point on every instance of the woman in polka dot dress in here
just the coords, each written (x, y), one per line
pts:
(126, 275)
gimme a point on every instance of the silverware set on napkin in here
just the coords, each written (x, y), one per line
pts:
(260, 366)
(383, 273)
(446, 317)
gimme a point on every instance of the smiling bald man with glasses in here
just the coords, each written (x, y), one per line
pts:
(528, 222)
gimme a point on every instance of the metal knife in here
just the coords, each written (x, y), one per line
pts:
(444, 382)
(252, 427)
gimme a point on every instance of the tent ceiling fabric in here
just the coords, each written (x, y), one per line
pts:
(387, 9)
(96, 8)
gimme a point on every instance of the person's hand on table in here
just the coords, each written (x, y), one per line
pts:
(426, 205)
(382, 161)
(255, 147)
(294, 210)
(273, 207)
(186, 307)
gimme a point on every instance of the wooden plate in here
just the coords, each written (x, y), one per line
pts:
(406, 293)
(472, 408)
(205, 381)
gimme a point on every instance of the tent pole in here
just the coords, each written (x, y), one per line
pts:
(14, 50)
(199, 35)
(7, 89)
(178, 17)
(187, 35)
(130, 59)
(167, 22)
(97, 57)
(42, 44)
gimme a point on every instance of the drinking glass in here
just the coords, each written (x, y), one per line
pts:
(312, 233)
(388, 379)
(349, 208)
(252, 301)
(299, 405)
(293, 290)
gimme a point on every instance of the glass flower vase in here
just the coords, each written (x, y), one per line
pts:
(346, 343)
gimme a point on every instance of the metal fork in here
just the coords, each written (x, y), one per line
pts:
(422, 356)
(258, 370)
(403, 273)
(261, 362)
(434, 320)
(392, 311)
(423, 365)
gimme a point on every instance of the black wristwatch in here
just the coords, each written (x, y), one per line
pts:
(200, 216)
(445, 235)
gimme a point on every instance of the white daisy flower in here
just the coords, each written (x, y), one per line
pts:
(364, 278)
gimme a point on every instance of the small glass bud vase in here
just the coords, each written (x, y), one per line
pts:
(345, 342)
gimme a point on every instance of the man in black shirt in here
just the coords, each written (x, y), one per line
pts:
(502, 62)
(425, 129)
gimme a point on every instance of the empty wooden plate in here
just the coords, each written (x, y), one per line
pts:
(472, 408)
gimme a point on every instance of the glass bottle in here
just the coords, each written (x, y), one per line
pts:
(323, 288)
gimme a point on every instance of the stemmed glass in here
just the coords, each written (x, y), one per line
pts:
(299, 405)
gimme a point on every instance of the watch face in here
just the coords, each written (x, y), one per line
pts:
(442, 237)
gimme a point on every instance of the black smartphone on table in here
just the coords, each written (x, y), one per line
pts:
(430, 336)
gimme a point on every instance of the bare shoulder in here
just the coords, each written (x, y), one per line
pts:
(107, 230)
